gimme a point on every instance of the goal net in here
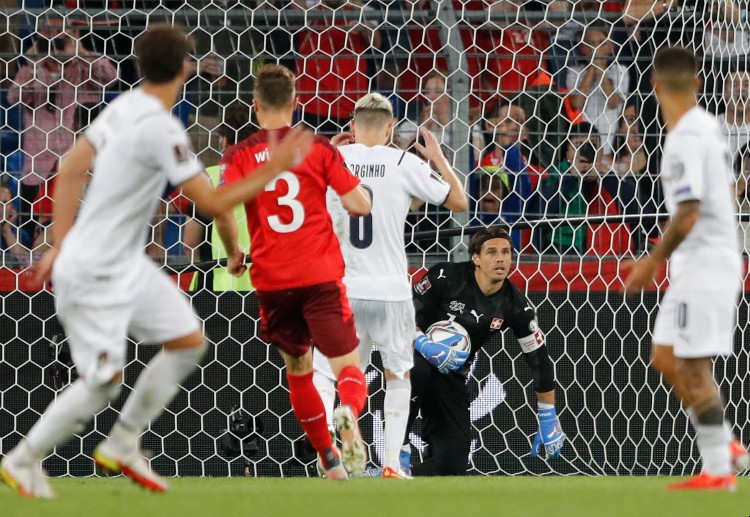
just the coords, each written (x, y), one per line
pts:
(544, 108)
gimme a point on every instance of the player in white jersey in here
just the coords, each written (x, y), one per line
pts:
(697, 314)
(377, 278)
(106, 287)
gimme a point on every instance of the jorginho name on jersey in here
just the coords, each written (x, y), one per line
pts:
(697, 166)
(450, 291)
(373, 246)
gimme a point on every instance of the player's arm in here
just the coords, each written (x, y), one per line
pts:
(226, 225)
(357, 202)
(524, 324)
(285, 154)
(71, 177)
(426, 295)
(687, 189)
(431, 151)
(678, 229)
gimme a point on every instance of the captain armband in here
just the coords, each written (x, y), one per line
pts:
(533, 341)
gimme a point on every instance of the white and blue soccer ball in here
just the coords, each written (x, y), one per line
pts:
(441, 330)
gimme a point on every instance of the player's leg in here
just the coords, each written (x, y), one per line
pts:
(284, 326)
(331, 324)
(394, 335)
(419, 376)
(700, 326)
(162, 315)
(97, 337)
(325, 382)
(446, 427)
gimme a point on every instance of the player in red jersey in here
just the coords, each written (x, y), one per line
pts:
(298, 269)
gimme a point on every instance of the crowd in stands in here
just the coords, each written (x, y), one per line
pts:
(562, 123)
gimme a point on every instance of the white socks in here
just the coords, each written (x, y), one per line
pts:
(396, 409)
(714, 446)
(157, 385)
(327, 389)
(67, 415)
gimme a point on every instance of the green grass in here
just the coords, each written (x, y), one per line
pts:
(451, 497)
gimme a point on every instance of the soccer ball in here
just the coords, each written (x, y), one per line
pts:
(441, 330)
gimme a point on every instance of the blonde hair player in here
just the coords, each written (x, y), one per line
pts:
(377, 278)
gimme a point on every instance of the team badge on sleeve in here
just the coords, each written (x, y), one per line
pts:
(677, 170)
(181, 153)
(496, 323)
(423, 285)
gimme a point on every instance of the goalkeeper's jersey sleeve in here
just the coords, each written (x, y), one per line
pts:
(450, 292)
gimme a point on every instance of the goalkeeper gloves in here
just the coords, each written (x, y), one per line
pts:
(440, 354)
(550, 434)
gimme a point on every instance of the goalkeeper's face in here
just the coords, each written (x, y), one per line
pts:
(494, 260)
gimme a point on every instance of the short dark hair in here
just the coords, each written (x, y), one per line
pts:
(274, 86)
(587, 151)
(238, 124)
(676, 68)
(485, 234)
(161, 51)
(85, 114)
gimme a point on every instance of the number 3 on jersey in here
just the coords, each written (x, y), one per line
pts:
(360, 228)
(289, 200)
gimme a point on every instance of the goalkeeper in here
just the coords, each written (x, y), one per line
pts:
(477, 295)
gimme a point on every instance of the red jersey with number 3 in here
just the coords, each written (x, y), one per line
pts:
(291, 234)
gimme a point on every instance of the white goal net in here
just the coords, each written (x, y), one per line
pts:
(544, 107)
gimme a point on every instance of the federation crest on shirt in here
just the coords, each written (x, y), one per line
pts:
(677, 170)
(496, 323)
(423, 285)
(180, 153)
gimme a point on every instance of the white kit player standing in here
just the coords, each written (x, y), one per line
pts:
(377, 278)
(105, 285)
(696, 318)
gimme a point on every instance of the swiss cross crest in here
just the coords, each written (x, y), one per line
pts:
(496, 323)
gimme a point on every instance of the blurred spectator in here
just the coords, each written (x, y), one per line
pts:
(332, 67)
(44, 201)
(434, 112)
(736, 117)
(503, 57)
(630, 184)
(506, 152)
(599, 85)
(742, 171)
(13, 239)
(493, 187)
(60, 74)
(567, 191)
(726, 43)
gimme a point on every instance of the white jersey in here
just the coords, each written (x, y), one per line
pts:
(697, 165)
(373, 246)
(140, 147)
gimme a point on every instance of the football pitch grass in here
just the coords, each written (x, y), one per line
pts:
(450, 497)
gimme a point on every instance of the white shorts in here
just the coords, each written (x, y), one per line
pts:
(389, 326)
(98, 320)
(697, 323)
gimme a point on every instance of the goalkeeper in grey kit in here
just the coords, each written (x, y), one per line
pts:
(477, 295)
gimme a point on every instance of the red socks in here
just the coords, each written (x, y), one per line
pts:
(310, 411)
(352, 389)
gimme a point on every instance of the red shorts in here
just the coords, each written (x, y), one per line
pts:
(317, 315)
